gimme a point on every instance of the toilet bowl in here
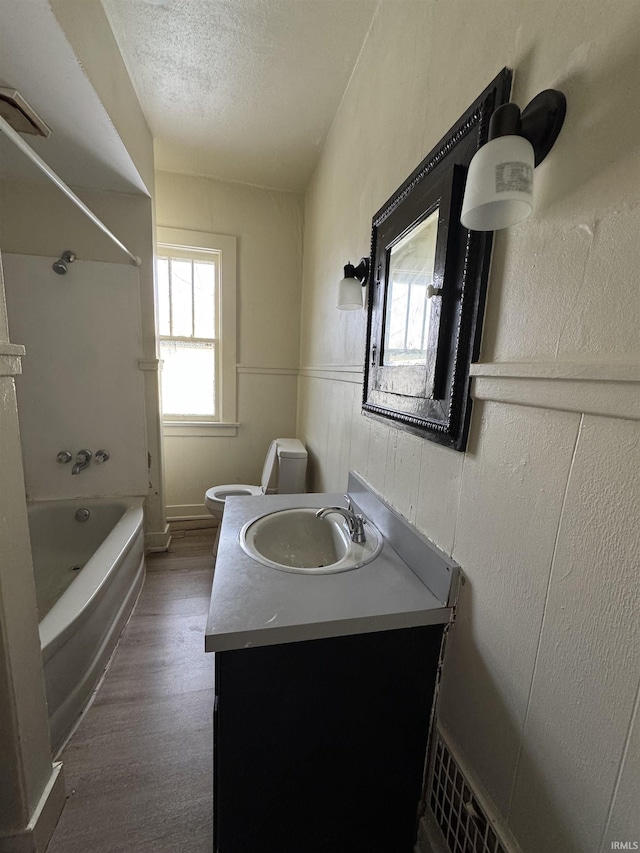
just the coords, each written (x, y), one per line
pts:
(284, 472)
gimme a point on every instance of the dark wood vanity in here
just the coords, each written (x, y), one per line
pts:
(319, 746)
(324, 687)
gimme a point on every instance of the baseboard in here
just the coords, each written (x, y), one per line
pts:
(183, 511)
(198, 523)
(35, 837)
(157, 540)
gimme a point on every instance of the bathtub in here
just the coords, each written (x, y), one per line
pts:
(88, 575)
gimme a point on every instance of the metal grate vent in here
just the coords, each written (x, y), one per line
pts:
(461, 818)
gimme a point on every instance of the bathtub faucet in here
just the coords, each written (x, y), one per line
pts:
(83, 459)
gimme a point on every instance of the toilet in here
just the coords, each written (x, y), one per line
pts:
(284, 471)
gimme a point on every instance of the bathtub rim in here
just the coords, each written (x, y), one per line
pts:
(66, 717)
(85, 592)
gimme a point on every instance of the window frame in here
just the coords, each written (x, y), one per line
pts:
(189, 244)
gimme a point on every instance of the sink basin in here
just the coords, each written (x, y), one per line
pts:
(294, 540)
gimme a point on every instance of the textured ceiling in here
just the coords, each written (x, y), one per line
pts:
(243, 90)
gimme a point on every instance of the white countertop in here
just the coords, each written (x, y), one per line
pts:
(255, 605)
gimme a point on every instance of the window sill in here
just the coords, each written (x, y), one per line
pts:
(199, 428)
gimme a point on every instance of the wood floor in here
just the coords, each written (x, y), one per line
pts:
(138, 769)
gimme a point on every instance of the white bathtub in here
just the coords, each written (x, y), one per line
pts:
(88, 576)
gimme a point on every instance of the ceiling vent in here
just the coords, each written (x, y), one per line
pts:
(17, 112)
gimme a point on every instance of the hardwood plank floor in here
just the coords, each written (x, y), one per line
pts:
(139, 767)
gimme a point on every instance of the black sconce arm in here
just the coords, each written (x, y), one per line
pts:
(539, 122)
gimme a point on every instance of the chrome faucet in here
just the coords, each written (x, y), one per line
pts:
(355, 522)
(83, 459)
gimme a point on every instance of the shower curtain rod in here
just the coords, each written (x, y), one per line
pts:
(15, 137)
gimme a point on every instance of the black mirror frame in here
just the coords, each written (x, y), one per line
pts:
(443, 412)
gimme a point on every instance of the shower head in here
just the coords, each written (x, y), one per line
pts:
(60, 266)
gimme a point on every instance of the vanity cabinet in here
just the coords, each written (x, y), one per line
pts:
(319, 745)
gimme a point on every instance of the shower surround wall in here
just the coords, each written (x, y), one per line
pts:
(42, 224)
(540, 682)
(81, 385)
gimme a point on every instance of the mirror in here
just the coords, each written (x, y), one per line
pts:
(411, 289)
(427, 288)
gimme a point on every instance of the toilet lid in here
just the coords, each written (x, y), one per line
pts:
(220, 493)
(269, 472)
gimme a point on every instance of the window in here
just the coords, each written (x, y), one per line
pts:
(196, 325)
(408, 312)
(187, 290)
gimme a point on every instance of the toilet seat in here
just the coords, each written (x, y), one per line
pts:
(219, 493)
(283, 471)
(215, 497)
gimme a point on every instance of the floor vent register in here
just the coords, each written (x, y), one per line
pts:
(455, 809)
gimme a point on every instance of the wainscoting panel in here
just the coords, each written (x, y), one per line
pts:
(194, 463)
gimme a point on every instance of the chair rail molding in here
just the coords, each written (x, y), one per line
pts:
(276, 370)
(353, 373)
(11, 359)
(596, 388)
(153, 365)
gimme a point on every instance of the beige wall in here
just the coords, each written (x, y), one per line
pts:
(268, 225)
(540, 684)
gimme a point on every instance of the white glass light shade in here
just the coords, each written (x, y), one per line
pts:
(499, 190)
(349, 294)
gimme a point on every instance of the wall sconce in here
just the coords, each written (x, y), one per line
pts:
(499, 190)
(350, 288)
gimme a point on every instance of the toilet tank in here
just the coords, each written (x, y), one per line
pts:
(292, 466)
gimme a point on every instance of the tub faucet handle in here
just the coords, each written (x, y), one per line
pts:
(64, 457)
(83, 458)
(102, 456)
